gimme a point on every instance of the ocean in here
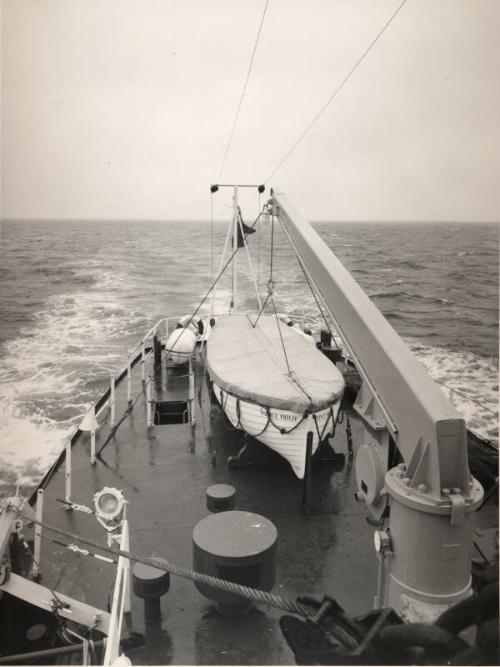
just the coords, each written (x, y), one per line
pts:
(77, 296)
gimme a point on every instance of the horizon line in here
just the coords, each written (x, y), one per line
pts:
(226, 220)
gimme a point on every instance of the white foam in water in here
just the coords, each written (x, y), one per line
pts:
(29, 445)
(82, 337)
(43, 373)
(471, 385)
(473, 379)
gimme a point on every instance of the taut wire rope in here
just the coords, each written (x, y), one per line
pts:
(335, 92)
(242, 96)
(301, 264)
(180, 571)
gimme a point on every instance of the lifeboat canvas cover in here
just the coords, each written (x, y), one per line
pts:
(249, 363)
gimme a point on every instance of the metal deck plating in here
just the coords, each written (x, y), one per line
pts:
(164, 478)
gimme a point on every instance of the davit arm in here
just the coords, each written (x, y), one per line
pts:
(432, 495)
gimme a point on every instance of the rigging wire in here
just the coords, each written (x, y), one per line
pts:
(242, 97)
(258, 250)
(306, 276)
(212, 235)
(469, 398)
(335, 92)
(281, 337)
(219, 276)
(164, 565)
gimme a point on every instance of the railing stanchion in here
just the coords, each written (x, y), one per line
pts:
(112, 401)
(129, 383)
(143, 362)
(92, 434)
(37, 546)
(67, 472)
(149, 421)
(125, 546)
(191, 393)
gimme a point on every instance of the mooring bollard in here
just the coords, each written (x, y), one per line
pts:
(238, 547)
(150, 584)
(221, 498)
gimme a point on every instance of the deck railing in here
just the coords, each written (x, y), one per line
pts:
(140, 354)
(121, 603)
(121, 600)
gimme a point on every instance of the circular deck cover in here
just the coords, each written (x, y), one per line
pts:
(234, 534)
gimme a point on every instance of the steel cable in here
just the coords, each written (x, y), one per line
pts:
(242, 96)
(335, 92)
(164, 565)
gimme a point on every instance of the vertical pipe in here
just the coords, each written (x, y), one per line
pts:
(129, 383)
(92, 434)
(148, 406)
(112, 402)
(125, 546)
(38, 528)
(143, 362)
(166, 328)
(157, 360)
(221, 264)
(192, 418)
(255, 286)
(68, 471)
(235, 245)
(378, 601)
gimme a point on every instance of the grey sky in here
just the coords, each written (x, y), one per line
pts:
(122, 108)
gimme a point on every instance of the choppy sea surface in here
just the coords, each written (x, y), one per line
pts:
(75, 297)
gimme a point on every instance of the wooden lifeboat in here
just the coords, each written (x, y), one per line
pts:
(274, 384)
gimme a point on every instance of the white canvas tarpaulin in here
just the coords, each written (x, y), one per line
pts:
(250, 363)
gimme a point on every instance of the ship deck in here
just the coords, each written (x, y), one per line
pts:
(164, 476)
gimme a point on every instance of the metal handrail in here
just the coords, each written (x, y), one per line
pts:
(121, 600)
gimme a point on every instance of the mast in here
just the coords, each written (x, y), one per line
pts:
(235, 247)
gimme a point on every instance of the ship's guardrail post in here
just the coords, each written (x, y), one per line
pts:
(157, 361)
(112, 401)
(119, 603)
(192, 417)
(149, 411)
(67, 472)
(143, 362)
(129, 383)
(37, 546)
(92, 434)
(125, 546)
